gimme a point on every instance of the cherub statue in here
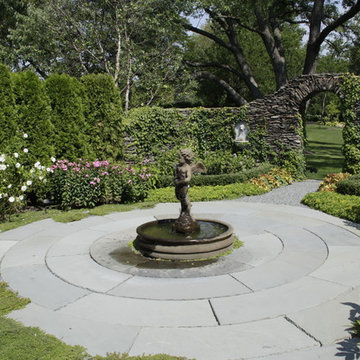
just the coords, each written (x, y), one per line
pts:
(182, 176)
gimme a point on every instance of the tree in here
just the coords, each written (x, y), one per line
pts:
(71, 140)
(103, 114)
(34, 114)
(267, 19)
(125, 39)
(8, 116)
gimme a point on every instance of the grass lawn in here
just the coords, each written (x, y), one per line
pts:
(323, 151)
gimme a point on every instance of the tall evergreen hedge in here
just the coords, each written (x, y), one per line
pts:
(103, 115)
(71, 139)
(34, 113)
(7, 111)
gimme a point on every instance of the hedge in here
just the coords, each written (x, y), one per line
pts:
(350, 186)
(343, 206)
(221, 179)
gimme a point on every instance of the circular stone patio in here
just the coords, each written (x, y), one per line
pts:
(289, 293)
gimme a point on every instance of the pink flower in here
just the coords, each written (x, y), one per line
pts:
(86, 175)
(104, 173)
(130, 181)
(92, 182)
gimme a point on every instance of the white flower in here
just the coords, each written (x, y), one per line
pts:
(53, 159)
(21, 197)
(17, 165)
(26, 150)
(3, 167)
(32, 170)
(5, 195)
(2, 157)
(1, 195)
(48, 169)
(44, 181)
(25, 136)
(41, 177)
(23, 188)
(9, 186)
(11, 199)
(37, 165)
(29, 182)
(16, 155)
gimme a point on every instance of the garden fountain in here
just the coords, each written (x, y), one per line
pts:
(184, 238)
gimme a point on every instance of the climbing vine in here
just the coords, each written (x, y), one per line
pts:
(350, 99)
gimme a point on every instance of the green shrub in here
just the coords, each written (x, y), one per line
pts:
(87, 184)
(207, 193)
(331, 181)
(350, 91)
(8, 117)
(103, 115)
(275, 178)
(222, 179)
(34, 113)
(349, 186)
(71, 141)
(17, 179)
(343, 206)
(222, 162)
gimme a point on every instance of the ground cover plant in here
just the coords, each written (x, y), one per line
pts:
(323, 151)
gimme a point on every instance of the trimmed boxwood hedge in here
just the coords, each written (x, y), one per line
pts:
(221, 179)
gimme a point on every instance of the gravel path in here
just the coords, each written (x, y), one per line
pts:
(286, 195)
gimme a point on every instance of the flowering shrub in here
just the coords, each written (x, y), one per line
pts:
(86, 184)
(330, 181)
(275, 178)
(17, 180)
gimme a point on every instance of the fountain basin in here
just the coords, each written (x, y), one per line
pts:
(157, 239)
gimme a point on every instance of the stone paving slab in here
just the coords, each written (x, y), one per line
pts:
(97, 337)
(243, 341)
(330, 322)
(75, 244)
(31, 251)
(5, 245)
(295, 296)
(42, 287)
(136, 312)
(341, 266)
(82, 271)
(180, 289)
(26, 231)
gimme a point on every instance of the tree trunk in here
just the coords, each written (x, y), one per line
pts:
(238, 99)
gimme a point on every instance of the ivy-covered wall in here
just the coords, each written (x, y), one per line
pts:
(350, 101)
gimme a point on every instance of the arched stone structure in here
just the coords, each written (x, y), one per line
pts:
(278, 113)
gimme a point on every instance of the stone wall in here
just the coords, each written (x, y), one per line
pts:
(278, 113)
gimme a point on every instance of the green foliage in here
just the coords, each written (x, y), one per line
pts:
(154, 130)
(17, 178)
(275, 178)
(291, 160)
(103, 114)
(221, 179)
(8, 118)
(86, 184)
(207, 193)
(343, 206)
(349, 186)
(223, 162)
(350, 94)
(34, 114)
(71, 141)
(331, 181)
(212, 129)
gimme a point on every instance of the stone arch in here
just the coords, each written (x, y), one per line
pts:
(279, 113)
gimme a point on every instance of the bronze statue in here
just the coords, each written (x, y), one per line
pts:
(182, 176)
